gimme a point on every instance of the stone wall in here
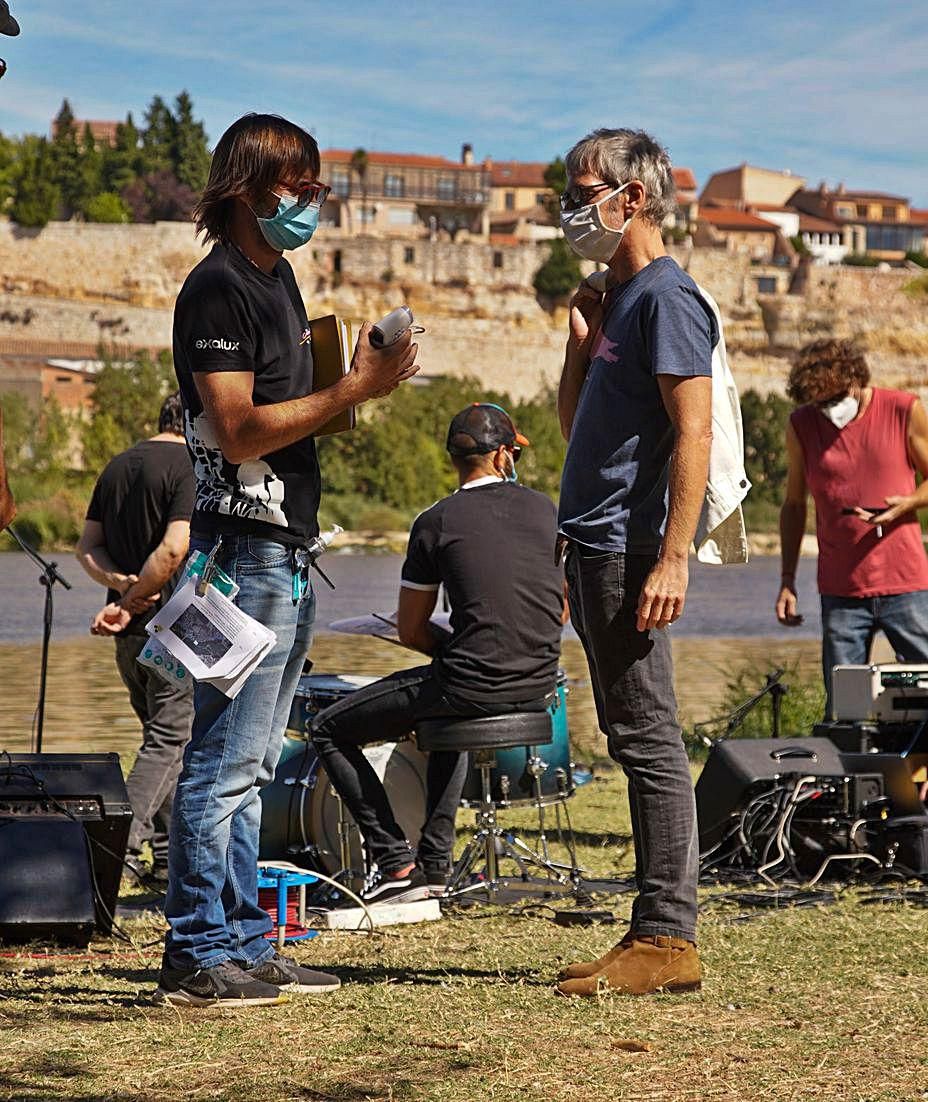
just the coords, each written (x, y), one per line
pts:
(77, 283)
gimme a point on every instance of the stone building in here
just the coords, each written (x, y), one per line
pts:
(747, 186)
(406, 194)
(870, 221)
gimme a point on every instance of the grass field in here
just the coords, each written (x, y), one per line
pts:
(826, 1004)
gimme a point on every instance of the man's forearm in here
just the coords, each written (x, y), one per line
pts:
(258, 430)
(98, 564)
(689, 471)
(156, 572)
(792, 527)
(573, 375)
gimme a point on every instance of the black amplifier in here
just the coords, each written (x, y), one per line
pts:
(64, 825)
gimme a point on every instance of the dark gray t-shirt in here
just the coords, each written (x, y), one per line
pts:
(614, 483)
(492, 546)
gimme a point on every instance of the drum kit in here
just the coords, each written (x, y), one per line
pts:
(304, 821)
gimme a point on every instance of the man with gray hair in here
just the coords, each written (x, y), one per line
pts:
(635, 405)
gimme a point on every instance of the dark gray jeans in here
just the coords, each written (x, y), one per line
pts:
(632, 676)
(166, 714)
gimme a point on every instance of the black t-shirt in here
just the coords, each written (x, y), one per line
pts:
(138, 494)
(492, 546)
(232, 316)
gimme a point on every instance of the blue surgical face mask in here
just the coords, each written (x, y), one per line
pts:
(291, 226)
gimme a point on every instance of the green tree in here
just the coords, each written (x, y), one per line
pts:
(89, 179)
(128, 397)
(158, 137)
(18, 426)
(764, 421)
(51, 447)
(122, 161)
(555, 176)
(106, 206)
(36, 197)
(66, 160)
(560, 273)
(359, 165)
(191, 152)
(9, 151)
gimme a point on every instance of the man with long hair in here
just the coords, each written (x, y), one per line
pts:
(245, 369)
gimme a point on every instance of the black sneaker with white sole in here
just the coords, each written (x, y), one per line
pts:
(437, 881)
(222, 985)
(391, 887)
(285, 973)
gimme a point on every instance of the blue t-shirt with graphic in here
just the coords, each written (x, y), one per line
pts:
(614, 483)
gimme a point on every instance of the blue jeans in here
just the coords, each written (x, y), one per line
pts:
(850, 623)
(212, 901)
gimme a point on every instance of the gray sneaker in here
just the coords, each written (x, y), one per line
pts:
(222, 985)
(285, 973)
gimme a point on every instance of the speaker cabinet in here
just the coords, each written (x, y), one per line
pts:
(737, 769)
(64, 825)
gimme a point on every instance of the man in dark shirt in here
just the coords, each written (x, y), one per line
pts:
(135, 537)
(492, 545)
(635, 407)
(245, 367)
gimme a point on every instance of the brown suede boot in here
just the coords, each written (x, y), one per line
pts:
(646, 964)
(582, 969)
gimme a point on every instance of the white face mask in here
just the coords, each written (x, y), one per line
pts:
(587, 234)
(842, 412)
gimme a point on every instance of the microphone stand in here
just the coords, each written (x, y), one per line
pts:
(47, 578)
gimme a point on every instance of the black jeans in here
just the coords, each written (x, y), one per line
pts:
(385, 712)
(632, 676)
(166, 715)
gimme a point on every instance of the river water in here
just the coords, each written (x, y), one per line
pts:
(728, 621)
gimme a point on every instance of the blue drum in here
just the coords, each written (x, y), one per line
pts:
(555, 782)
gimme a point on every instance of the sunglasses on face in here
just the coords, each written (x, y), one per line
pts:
(309, 195)
(578, 195)
(515, 451)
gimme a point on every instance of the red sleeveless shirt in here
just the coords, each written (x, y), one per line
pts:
(862, 464)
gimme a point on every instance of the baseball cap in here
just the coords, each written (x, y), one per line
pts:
(8, 24)
(482, 428)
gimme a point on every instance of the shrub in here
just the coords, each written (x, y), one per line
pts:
(106, 207)
(861, 260)
(921, 259)
(560, 273)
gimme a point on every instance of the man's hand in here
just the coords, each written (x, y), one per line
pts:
(787, 604)
(897, 506)
(663, 594)
(135, 605)
(376, 372)
(110, 620)
(586, 314)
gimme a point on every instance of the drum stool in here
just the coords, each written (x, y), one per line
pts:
(482, 736)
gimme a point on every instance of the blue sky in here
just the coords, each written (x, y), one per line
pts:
(834, 91)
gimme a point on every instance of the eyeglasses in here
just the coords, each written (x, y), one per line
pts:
(309, 195)
(579, 196)
(515, 451)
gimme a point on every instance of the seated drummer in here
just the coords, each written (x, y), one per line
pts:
(491, 544)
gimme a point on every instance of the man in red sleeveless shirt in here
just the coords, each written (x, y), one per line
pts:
(856, 449)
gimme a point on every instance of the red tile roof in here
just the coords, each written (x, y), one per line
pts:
(808, 223)
(725, 218)
(683, 179)
(407, 160)
(518, 174)
(918, 217)
(504, 239)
